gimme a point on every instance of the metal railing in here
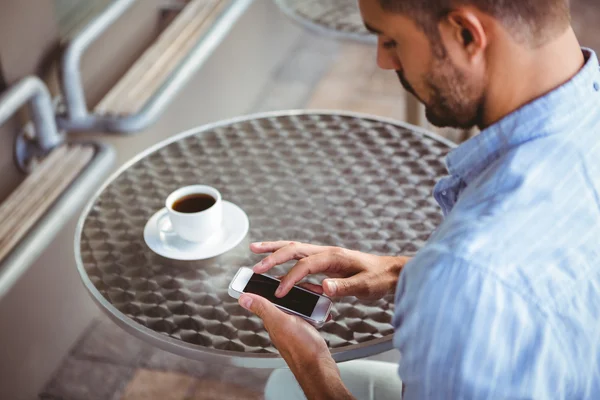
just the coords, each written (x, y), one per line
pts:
(46, 137)
(78, 117)
(32, 91)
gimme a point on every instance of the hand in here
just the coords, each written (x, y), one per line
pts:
(362, 275)
(302, 348)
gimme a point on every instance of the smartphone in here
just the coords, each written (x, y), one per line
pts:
(311, 306)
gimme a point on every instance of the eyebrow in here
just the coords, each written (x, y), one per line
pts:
(372, 30)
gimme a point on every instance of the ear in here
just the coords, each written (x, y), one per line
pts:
(465, 29)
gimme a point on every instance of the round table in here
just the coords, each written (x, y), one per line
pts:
(349, 180)
(338, 18)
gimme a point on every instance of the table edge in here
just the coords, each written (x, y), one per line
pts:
(306, 23)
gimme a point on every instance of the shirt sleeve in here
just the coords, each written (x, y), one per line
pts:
(464, 334)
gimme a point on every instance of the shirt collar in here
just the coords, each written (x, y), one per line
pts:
(542, 117)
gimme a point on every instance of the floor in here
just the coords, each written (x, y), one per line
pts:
(109, 364)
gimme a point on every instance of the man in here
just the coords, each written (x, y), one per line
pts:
(504, 299)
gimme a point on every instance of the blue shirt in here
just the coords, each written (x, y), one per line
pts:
(504, 299)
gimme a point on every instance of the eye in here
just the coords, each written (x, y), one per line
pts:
(390, 44)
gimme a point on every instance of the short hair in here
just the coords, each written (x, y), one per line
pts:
(532, 21)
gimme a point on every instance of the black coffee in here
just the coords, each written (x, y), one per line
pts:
(194, 203)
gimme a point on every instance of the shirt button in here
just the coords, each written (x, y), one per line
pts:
(597, 86)
(444, 193)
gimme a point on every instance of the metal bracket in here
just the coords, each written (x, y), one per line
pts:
(42, 135)
(78, 118)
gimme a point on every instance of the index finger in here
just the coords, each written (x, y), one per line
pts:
(291, 251)
(269, 247)
(311, 265)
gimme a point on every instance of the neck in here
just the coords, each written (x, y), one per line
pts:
(526, 74)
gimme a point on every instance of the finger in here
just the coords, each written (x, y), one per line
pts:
(263, 308)
(292, 251)
(309, 265)
(318, 289)
(268, 247)
(356, 285)
(306, 285)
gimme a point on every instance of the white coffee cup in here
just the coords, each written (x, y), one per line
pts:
(193, 226)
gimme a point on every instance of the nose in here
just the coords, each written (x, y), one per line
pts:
(386, 59)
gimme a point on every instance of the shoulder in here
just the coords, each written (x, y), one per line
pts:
(529, 221)
(530, 174)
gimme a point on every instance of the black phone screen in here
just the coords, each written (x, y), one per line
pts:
(296, 300)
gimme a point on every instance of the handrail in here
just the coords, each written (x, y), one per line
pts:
(72, 84)
(41, 205)
(78, 118)
(31, 90)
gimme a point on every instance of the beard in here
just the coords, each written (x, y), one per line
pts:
(454, 101)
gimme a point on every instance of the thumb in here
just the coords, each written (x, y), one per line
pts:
(260, 306)
(354, 286)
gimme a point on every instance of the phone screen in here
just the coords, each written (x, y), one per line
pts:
(296, 300)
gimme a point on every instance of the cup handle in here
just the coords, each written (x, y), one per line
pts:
(164, 225)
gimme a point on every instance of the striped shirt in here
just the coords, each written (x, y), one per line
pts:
(504, 299)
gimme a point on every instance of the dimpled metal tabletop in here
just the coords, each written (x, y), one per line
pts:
(326, 178)
(338, 18)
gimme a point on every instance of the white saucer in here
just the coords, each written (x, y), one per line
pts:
(234, 229)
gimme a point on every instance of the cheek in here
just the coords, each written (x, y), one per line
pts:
(416, 65)
(413, 74)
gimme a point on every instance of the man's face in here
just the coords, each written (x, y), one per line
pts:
(452, 95)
